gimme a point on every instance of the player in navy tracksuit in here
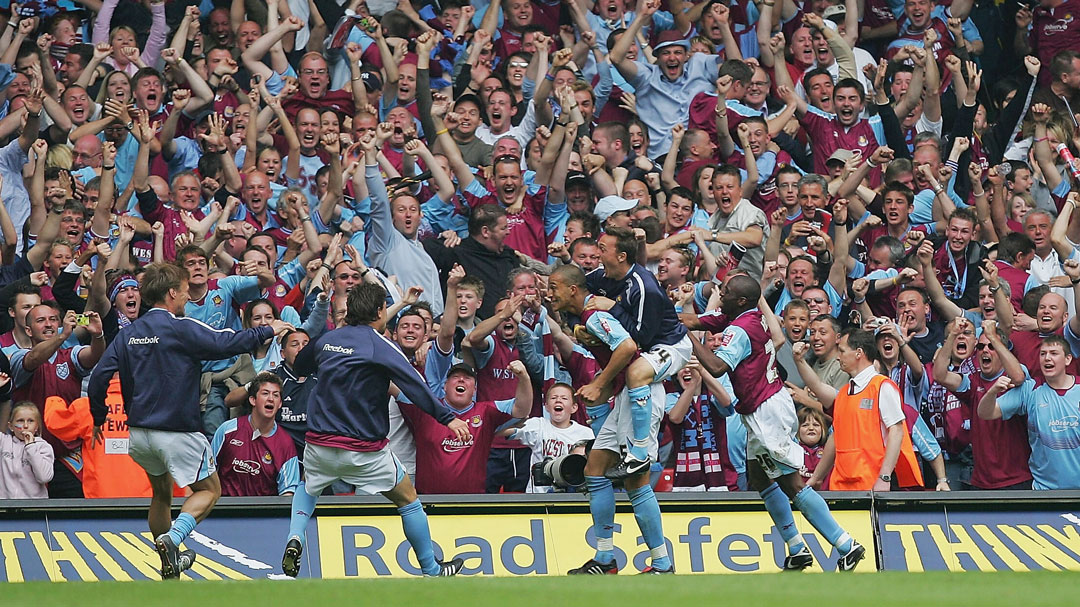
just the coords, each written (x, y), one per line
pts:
(159, 358)
(348, 420)
(632, 295)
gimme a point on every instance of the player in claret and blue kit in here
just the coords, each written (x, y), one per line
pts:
(773, 457)
(348, 420)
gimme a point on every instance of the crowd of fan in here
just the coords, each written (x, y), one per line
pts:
(903, 166)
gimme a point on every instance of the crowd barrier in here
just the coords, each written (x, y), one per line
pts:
(68, 540)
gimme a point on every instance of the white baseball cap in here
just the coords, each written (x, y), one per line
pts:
(609, 205)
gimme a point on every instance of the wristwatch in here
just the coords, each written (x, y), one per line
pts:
(886, 477)
(130, 125)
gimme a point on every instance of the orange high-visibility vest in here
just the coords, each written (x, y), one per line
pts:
(860, 445)
(108, 471)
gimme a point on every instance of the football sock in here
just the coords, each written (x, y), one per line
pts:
(780, 511)
(817, 512)
(640, 421)
(182, 527)
(414, 521)
(647, 513)
(597, 416)
(602, 508)
(303, 506)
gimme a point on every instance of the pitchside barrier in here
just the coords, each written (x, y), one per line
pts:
(503, 535)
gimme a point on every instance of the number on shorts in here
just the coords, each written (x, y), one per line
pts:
(767, 464)
(664, 362)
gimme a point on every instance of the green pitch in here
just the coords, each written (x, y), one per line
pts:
(795, 590)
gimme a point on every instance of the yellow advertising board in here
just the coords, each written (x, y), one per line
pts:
(521, 544)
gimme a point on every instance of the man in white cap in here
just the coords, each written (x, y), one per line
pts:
(614, 210)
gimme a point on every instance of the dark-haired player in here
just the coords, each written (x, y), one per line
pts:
(633, 296)
(614, 350)
(348, 420)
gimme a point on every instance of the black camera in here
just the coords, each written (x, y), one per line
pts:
(563, 472)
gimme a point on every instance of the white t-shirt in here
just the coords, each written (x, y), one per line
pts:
(546, 440)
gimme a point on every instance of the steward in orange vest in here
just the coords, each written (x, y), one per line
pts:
(870, 443)
(860, 437)
(108, 470)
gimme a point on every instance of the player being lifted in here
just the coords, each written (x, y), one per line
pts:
(773, 457)
(632, 295)
(348, 420)
(613, 349)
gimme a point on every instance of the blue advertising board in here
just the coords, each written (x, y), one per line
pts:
(957, 540)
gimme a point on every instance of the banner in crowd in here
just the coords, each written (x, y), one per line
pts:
(375, 546)
(979, 541)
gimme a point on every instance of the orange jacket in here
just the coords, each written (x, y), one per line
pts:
(860, 446)
(108, 471)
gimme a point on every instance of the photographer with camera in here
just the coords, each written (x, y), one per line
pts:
(552, 438)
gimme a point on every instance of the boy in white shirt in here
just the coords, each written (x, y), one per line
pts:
(556, 434)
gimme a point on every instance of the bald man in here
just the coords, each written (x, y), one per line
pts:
(86, 153)
(773, 460)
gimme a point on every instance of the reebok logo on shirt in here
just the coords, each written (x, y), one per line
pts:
(142, 341)
(338, 349)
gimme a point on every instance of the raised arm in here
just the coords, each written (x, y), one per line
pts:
(839, 269)
(645, 11)
(102, 221)
(42, 352)
(938, 298)
(523, 396)
(180, 98)
(32, 106)
(671, 160)
(787, 92)
(292, 167)
(841, 50)
(155, 42)
(1040, 114)
(724, 141)
(448, 326)
(557, 173)
(1072, 270)
(722, 15)
(942, 375)
(446, 142)
(750, 183)
(252, 57)
(826, 394)
(390, 64)
(931, 88)
(444, 186)
(475, 339)
(1058, 233)
(988, 405)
